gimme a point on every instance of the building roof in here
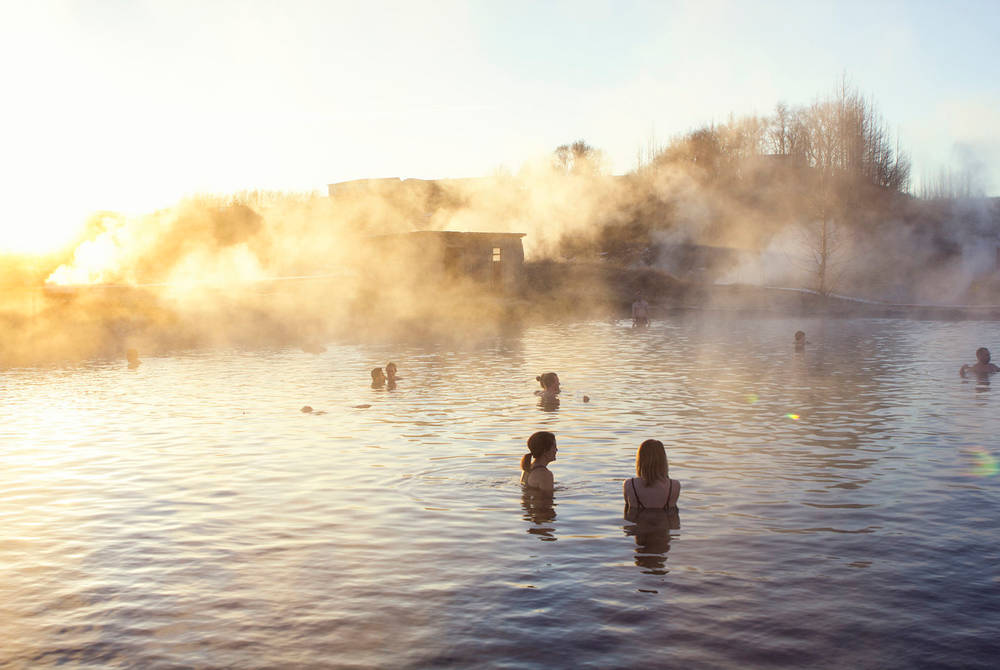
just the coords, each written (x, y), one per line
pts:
(446, 234)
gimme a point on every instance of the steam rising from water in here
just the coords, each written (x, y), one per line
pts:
(264, 268)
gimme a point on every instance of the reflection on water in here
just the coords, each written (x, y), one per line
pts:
(840, 503)
(539, 509)
(651, 530)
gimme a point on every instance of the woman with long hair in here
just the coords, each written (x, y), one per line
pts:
(652, 487)
(549, 382)
(534, 464)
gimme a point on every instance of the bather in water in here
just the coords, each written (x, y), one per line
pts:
(982, 367)
(534, 465)
(800, 340)
(390, 375)
(378, 378)
(548, 396)
(652, 487)
(550, 384)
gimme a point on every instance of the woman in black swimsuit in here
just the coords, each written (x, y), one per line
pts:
(652, 488)
(541, 451)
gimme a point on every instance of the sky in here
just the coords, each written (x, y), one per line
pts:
(130, 105)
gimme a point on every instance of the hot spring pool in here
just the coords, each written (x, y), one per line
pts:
(840, 506)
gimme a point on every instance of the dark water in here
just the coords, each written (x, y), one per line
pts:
(187, 514)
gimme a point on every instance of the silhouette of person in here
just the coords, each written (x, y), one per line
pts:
(982, 367)
(640, 312)
(390, 375)
(549, 393)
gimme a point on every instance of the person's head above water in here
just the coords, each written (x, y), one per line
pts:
(549, 381)
(541, 450)
(800, 337)
(651, 462)
(983, 355)
(377, 377)
(390, 370)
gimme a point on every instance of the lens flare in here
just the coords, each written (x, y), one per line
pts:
(793, 417)
(983, 463)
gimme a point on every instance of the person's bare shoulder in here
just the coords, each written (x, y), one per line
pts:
(541, 479)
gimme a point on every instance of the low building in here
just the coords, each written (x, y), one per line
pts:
(494, 260)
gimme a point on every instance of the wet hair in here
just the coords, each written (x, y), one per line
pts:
(390, 369)
(538, 444)
(547, 379)
(983, 355)
(799, 335)
(651, 462)
(377, 374)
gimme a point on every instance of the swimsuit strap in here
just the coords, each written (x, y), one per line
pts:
(636, 494)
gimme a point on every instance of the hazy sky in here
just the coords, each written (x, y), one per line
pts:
(131, 104)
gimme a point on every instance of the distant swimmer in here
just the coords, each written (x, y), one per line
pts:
(550, 384)
(378, 378)
(640, 312)
(982, 366)
(541, 451)
(652, 487)
(800, 340)
(390, 375)
(306, 409)
(133, 358)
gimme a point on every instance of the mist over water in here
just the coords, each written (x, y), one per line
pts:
(278, 269)
(810, 198)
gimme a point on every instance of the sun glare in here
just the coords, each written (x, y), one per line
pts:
(39, 233)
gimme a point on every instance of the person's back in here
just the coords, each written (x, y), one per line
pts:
(659, 494)
(539, 477)
(652, 487)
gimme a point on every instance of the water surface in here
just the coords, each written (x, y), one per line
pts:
(839, 505)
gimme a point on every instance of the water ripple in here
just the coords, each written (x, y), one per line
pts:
(839, 505)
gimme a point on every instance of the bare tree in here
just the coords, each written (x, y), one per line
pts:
(578, 158)
(779, 135)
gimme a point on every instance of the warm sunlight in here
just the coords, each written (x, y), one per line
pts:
(22, 231)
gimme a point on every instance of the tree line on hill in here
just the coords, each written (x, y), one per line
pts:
(828, 178)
